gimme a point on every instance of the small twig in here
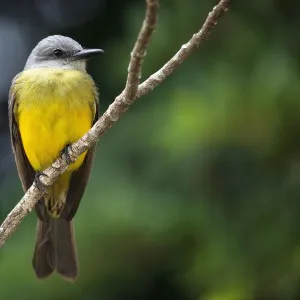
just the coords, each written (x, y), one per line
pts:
(139, 51)
(185, 51)
(113, 113)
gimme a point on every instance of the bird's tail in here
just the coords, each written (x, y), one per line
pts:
(55, 249)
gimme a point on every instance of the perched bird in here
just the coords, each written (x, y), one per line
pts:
(52, 103)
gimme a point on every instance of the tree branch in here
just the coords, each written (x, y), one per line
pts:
(130, 94)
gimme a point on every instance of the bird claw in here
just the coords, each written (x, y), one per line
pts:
(65, 153)
(42, 187)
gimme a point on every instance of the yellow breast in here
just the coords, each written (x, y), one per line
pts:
(54, 108)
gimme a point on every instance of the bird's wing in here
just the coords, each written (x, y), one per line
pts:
(26, 172)
(80, 177)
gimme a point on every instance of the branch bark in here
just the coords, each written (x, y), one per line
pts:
(131, 93)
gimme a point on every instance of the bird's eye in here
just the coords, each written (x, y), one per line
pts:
(58, 52)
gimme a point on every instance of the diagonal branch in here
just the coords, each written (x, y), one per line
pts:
(118, 107)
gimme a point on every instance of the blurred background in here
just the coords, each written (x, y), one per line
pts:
(195, 192)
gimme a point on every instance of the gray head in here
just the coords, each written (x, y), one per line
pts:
(61, 52)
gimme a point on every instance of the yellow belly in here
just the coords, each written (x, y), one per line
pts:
(54, 108)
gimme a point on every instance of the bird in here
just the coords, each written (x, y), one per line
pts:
(52, 103)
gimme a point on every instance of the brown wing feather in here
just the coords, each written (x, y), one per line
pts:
(26, 172)
(79, 179)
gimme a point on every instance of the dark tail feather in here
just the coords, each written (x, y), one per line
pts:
(43, 253)
(55, 249)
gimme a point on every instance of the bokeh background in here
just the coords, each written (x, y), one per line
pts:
(195, 192)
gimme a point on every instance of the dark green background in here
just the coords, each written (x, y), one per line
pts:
(195, 192)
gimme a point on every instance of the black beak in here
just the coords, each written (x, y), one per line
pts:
(87, 53)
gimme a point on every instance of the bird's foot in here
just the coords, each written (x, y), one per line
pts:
(42, 187)
(65, 153)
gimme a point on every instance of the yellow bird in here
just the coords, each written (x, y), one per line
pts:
(53, 103)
